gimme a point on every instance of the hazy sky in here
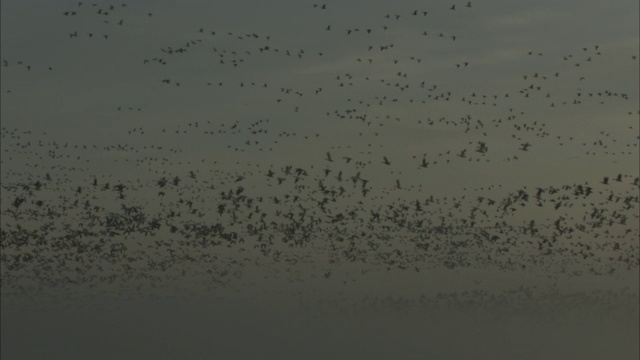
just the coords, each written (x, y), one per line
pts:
(443, 103)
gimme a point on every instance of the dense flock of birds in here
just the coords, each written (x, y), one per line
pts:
(74, 214)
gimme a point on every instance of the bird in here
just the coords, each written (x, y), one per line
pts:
(228, 180)
(329, 157)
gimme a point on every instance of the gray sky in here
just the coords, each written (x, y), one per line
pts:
(384, 103)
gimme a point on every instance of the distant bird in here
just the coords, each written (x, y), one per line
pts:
(86, 226)
(329, 157)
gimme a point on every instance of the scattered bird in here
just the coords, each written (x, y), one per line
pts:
(251, 189)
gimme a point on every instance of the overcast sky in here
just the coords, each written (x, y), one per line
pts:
(409, 100)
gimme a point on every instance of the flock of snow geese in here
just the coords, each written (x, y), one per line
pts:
(341, 192)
